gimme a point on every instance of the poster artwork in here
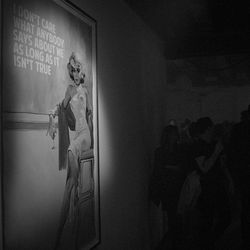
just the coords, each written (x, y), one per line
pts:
(36, 45)
(50, 95)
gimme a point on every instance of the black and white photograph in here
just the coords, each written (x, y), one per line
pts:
(50, 145)
(125, 125)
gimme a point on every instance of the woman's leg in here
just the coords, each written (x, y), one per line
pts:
(70, 189)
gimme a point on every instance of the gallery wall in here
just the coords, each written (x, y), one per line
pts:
(223, 104)
(33, 190)
(215, 86)
(130, 78)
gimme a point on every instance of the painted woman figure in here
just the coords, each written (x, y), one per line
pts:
(77, 99)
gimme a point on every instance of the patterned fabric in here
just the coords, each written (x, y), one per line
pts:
(82, 139)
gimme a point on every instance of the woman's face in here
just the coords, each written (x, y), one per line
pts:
(76, 76)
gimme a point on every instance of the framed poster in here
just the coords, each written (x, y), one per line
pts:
(50, 126)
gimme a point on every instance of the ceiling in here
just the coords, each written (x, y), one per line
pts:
(198, 27)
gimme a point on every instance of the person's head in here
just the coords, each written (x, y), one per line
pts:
(204, 126)
(244, 115)
(172, 122)
(170, 136)
(75, 69)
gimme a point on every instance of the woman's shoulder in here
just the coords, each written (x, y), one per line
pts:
(71, 89)
(70, 86)
(70, 92)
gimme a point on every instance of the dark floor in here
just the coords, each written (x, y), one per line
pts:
(231, 240)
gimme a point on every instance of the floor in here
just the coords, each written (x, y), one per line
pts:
(231, 239)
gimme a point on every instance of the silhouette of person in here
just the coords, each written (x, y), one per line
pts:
(169, 178)
(213, 202)
(240, 168)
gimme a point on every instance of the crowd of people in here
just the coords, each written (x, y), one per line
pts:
(199, 169)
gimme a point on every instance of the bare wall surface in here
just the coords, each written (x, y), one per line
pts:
(33, 189)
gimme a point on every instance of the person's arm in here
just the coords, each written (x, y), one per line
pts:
(206, 164)
(88, 103)
(68, 95)
(70, 92)
(89, 115)
(88, 109)
(223, 162)
(53, 112)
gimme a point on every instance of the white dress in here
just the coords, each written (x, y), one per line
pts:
(81, 140)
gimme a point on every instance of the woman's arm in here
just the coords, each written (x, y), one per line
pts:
(206, 164)
(89, 114)
(70, 92)
(88, 107)
(88, 103)
(223, 162)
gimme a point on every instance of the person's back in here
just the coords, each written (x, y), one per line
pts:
(240, 146)
(240, 168)
(212, 203)
(169, 178)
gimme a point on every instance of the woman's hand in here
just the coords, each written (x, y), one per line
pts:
(54, 112)
(218, 148)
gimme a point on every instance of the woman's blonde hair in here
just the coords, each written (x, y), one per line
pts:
(74, 65)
